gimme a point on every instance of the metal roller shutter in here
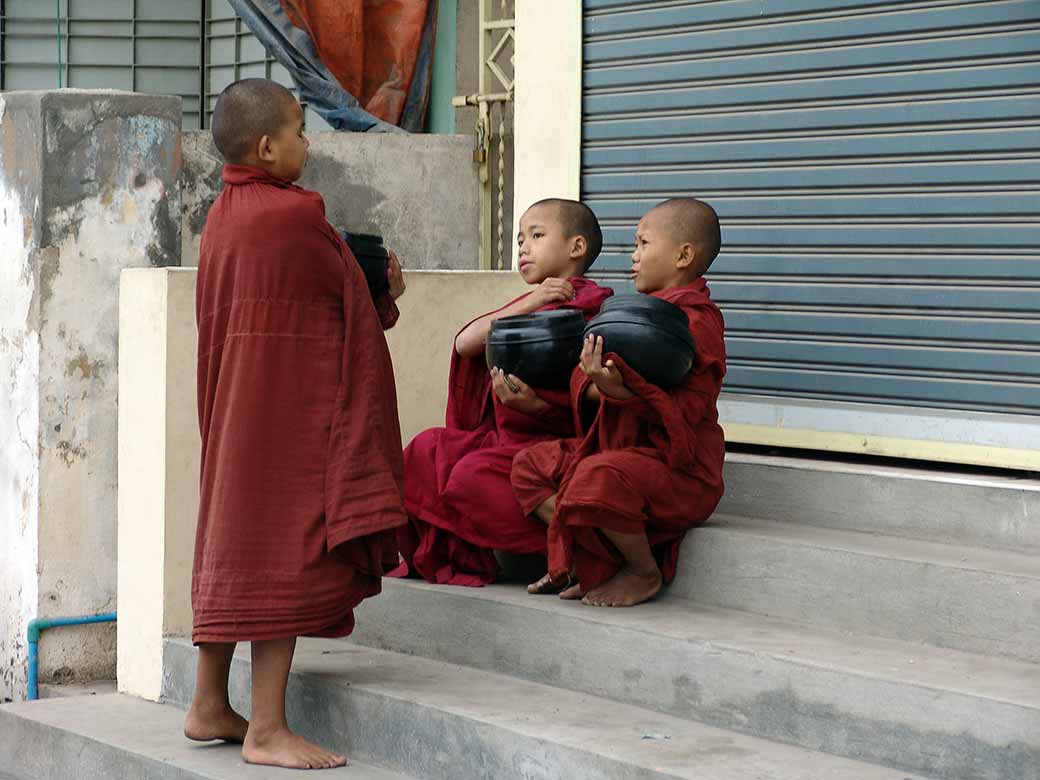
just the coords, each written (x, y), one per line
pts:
(876, 167)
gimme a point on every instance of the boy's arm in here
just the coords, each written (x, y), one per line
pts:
(606, 379)
(387, 310)
(471, 339)
(386, 307)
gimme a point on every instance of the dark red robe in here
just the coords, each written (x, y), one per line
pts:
(649, 464)
(301, 488)
(460, 503)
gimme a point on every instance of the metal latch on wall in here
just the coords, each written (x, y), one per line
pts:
(496, 44)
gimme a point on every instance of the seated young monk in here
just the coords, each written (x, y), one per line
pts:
(302, 467)
(461, 507)
(647, 467)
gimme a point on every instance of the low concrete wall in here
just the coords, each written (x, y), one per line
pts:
(419, 192)
(433, 310)
(159, 440)
(88, 187)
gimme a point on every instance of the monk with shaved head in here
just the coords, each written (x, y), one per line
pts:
(301, 488)
(646, 465)
(461, 507)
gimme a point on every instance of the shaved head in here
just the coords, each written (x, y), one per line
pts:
(577, 219)
(695, 222)
(245, 112)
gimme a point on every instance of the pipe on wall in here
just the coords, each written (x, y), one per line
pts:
(38, 625)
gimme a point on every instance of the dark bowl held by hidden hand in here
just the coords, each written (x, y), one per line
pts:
(541, 348)
(373, 258)
(651, 335)
(654, 307)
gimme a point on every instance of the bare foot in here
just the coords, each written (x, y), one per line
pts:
(573, 593)
(548, 585)
(222, 722)
(283, 748)
(625, 589)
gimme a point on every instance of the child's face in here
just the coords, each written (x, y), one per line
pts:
(658, 259)
(544, 249)
(285, 153)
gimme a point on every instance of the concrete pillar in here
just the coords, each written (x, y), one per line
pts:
(547, 102)
(87, 188)
(158, 469)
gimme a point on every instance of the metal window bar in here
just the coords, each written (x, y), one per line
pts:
(69, 17)
(494, 92)
(237, 64)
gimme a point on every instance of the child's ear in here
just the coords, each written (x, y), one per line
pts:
(264, 149)
(687, 256)
(579, 246)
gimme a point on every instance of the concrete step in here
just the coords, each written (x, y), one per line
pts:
(936, 711)
(967, 598)
(443, 722)
(65, 690)
(938, 504)
(115, 737)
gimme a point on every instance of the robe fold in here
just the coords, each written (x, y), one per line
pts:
(652, 463)
(301, 480)
(461, 506)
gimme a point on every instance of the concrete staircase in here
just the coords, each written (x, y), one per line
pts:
(833, 621)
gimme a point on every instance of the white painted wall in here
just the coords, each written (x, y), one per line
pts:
(19, 434)
(547, 111)
(100, 169)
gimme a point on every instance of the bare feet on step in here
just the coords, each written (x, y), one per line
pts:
(548, 585)
(573, 593)
(626, 588)
(283, 748)
(221, 722)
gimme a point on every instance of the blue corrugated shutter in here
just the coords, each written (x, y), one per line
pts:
(876, 167)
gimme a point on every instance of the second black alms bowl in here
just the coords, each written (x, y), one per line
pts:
(652, 336)
(541, 348)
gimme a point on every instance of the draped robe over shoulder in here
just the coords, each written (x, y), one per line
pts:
(301, 484)
(652, 463)
(460, 503)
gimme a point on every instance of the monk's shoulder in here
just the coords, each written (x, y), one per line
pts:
(708, 330)
(304, 207)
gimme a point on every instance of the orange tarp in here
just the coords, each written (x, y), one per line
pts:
(371, 46)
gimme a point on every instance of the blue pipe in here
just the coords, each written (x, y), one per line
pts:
(39, 625)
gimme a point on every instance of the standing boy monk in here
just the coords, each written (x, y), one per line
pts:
(461, 507)
(648, 466)
(301, 449)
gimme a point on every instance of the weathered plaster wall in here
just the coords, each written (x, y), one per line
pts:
(107, 200)
(418, 191)
(19, 374)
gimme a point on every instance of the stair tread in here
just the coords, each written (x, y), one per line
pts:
(910, 470)
(941, 669)
(977, 559)
(624, 733)
(154, 731)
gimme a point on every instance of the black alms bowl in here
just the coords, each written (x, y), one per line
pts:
(652, 336)
(373, 258)
(541, 348)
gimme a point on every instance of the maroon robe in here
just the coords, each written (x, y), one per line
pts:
(649, 464)
(460, 503)
(301, 488)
